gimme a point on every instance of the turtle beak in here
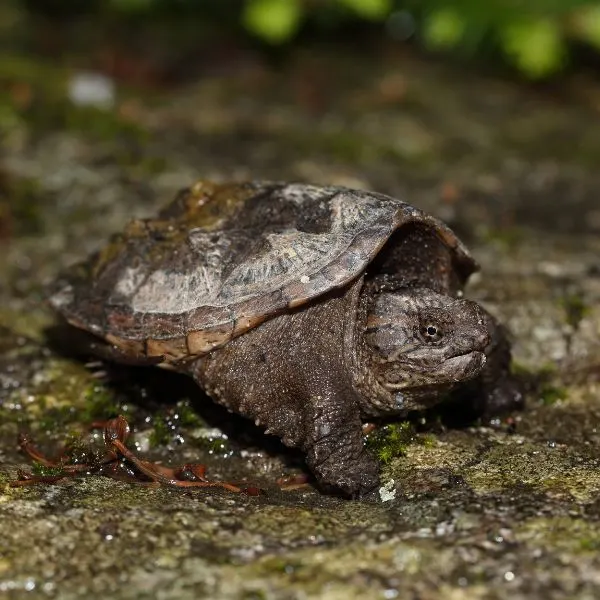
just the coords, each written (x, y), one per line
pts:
(463, 367)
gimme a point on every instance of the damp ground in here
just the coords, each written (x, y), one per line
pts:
(472, 510)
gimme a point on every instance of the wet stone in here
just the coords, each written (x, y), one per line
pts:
(482, 510)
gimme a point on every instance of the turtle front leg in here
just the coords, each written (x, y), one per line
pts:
(334, 446)
(291, 376)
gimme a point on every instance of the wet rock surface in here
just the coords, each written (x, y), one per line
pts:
(480, 510)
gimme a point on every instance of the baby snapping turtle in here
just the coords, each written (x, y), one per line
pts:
(304, 308)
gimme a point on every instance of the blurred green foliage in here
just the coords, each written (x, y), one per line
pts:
(537, 37)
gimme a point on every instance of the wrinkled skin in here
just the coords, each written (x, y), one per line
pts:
(312, 390)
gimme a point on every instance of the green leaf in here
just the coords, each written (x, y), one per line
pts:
(443, 28)
(273, 20)
(375, 10)
(536, 47)
(587, 25)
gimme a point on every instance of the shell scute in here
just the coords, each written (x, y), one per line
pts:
(208, 316)
(173, 349)
(204, 340)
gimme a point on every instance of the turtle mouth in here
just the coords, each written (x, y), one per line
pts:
(441, 374)
(464, 366)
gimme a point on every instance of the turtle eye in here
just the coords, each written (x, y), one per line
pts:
(432, 332)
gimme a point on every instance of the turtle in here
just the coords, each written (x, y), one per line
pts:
(308, 309)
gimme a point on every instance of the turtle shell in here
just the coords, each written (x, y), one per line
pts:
(221, 259)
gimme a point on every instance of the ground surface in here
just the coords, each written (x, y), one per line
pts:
(508, 507)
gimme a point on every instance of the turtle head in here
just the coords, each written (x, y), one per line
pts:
(421, 343)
